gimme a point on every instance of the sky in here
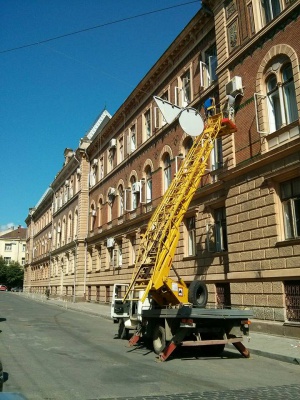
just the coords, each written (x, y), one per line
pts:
(62, 62)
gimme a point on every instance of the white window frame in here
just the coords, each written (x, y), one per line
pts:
(191, 236)
(289, 210)
(147, 124)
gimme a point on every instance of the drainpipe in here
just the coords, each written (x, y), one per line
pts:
(75, 270)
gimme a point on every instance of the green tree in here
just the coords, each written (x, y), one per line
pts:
(12, 274)
(3, 269)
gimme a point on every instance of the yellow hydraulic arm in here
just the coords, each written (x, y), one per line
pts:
(158, 244)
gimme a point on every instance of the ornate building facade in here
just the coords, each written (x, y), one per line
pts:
(241, 232)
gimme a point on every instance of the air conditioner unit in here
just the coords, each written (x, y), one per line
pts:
(49, 235)
(135, 187)
(58, 229)
(67, 183)
(95, 162)
(234, 87)
(111, 192)
(113, 143)
(110, 242)
(78, 171)
(94, 213)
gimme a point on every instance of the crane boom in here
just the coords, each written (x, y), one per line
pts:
(159, 242)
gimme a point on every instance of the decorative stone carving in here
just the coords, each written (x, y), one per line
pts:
(231, 8)
(233, 35)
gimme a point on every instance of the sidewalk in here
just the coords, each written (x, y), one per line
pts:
(276, 347)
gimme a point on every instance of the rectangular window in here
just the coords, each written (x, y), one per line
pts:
(7, 260)
(191, 236)
(223, 299)
(132, 139)
(290, 197)
(208, 67)
(8, 247)
(132, 245)
(121, 150)
(186, 89)
(147, 125)
(217, 155)
(90, 260)
(270, 10)
(101, 169)
(217, 232)
(110, 160)
(251, 19)
(118, 255)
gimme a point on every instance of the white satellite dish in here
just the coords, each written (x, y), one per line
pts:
(191, 121)
(169, 111)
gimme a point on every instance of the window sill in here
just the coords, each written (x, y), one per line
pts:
(187, 258)
(288, 242)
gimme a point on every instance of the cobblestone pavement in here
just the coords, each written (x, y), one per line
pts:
(286, 392)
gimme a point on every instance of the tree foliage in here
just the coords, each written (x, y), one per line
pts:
(11, 275)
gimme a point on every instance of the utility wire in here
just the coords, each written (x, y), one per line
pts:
(94, 27)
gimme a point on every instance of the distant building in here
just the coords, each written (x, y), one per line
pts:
(13, 245)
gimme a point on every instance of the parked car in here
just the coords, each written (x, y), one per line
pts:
(16, 289)
(3, 288)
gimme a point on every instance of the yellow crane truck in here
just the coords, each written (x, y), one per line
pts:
(165, 310)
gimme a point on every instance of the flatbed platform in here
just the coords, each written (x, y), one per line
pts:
(194, 312)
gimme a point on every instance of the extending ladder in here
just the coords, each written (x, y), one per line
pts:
(159, 242)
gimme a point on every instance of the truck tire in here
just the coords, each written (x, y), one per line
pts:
(198, 294)
(159, 339)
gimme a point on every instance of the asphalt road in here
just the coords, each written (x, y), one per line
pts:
(54, 353)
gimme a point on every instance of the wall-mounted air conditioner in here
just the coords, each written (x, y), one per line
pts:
(78, 171)
(113, 143)
(110, 242)
(234, 87)
(111, 192)
(95, 162)
(94, 213)
(135, 187)
(58, 229)
(49, 235)
(67, 183)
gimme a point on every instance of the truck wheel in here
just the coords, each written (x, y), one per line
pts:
(159, 339)
(198, 294)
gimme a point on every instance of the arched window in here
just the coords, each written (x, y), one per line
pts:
(289, 94)
(69, 234)
(75, 233)
(281, 96)
(63, 232)
(120, 201)
(135, 193)
(93, 215)
(167, 171)
(148, 173)
(275, 120)
(100, 210)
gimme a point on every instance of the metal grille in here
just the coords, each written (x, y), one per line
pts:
(223, 295)
(292, 300)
